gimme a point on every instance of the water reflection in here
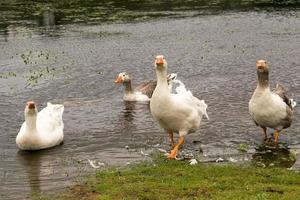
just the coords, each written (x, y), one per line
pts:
(47, 19)
(269, 155)
(31, 162)
(128, 111)
(133, 111)
(133, 114)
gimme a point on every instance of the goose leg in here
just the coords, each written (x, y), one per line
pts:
(174, 152)
(265, 132)
(276, 136)
(171, 139)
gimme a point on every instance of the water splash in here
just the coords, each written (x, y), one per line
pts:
(293, 103)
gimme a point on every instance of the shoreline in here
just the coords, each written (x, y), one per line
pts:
(166, 179)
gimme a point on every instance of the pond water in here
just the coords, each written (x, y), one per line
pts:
(71, 54)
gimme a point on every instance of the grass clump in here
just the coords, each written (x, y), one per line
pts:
(171, 179)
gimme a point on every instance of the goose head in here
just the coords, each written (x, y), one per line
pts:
(160, 63)
(30, 108)
(262, 66)
(123, 78)
(262, 73)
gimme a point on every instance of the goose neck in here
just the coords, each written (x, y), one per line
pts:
(30, 120)
(263, 79)
(128, 87)
(161, 77)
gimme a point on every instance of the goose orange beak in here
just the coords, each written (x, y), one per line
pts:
(119, 79)
(159, 61)
(31, 105)
(261, 64)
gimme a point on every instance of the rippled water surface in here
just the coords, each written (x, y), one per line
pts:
(44, 59)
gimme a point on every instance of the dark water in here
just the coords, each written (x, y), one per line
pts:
(270, 155)
(70, 53)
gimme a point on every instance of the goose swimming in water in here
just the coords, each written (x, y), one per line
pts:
(180, 112)
(142, 92)
(42, 129)
(270, 109)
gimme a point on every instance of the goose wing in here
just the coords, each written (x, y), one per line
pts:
(147, 88)
(283, 93)
(200, 105)
(50, 118)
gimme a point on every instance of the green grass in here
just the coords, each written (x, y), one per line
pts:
(171, 179)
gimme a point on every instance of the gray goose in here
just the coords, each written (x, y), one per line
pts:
(270, 109)
(142, 92)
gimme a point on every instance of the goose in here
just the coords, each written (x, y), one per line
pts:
(175, 112)
(42, 129)
(270, 109)
(142, 92)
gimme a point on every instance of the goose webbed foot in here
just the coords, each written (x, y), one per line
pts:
(174, 152)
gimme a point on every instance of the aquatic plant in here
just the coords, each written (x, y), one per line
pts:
(42, 65)
(242, 147)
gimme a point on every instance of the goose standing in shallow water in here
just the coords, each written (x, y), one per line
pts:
(181, 112)
(142, 92)
(42, 129)
(270, 109)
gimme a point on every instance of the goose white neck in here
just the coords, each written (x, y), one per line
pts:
(162, 76)
(30, 119)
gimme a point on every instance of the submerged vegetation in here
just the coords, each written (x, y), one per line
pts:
(40, 58)
(171, 179)
(52, 14)
(40, 65)
(268, 156)
(242, 147)
(92, 11)
(7, 75)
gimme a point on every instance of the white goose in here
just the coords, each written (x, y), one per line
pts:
(142, 92)
(181, 112)
(270, 109)
(41, 130)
